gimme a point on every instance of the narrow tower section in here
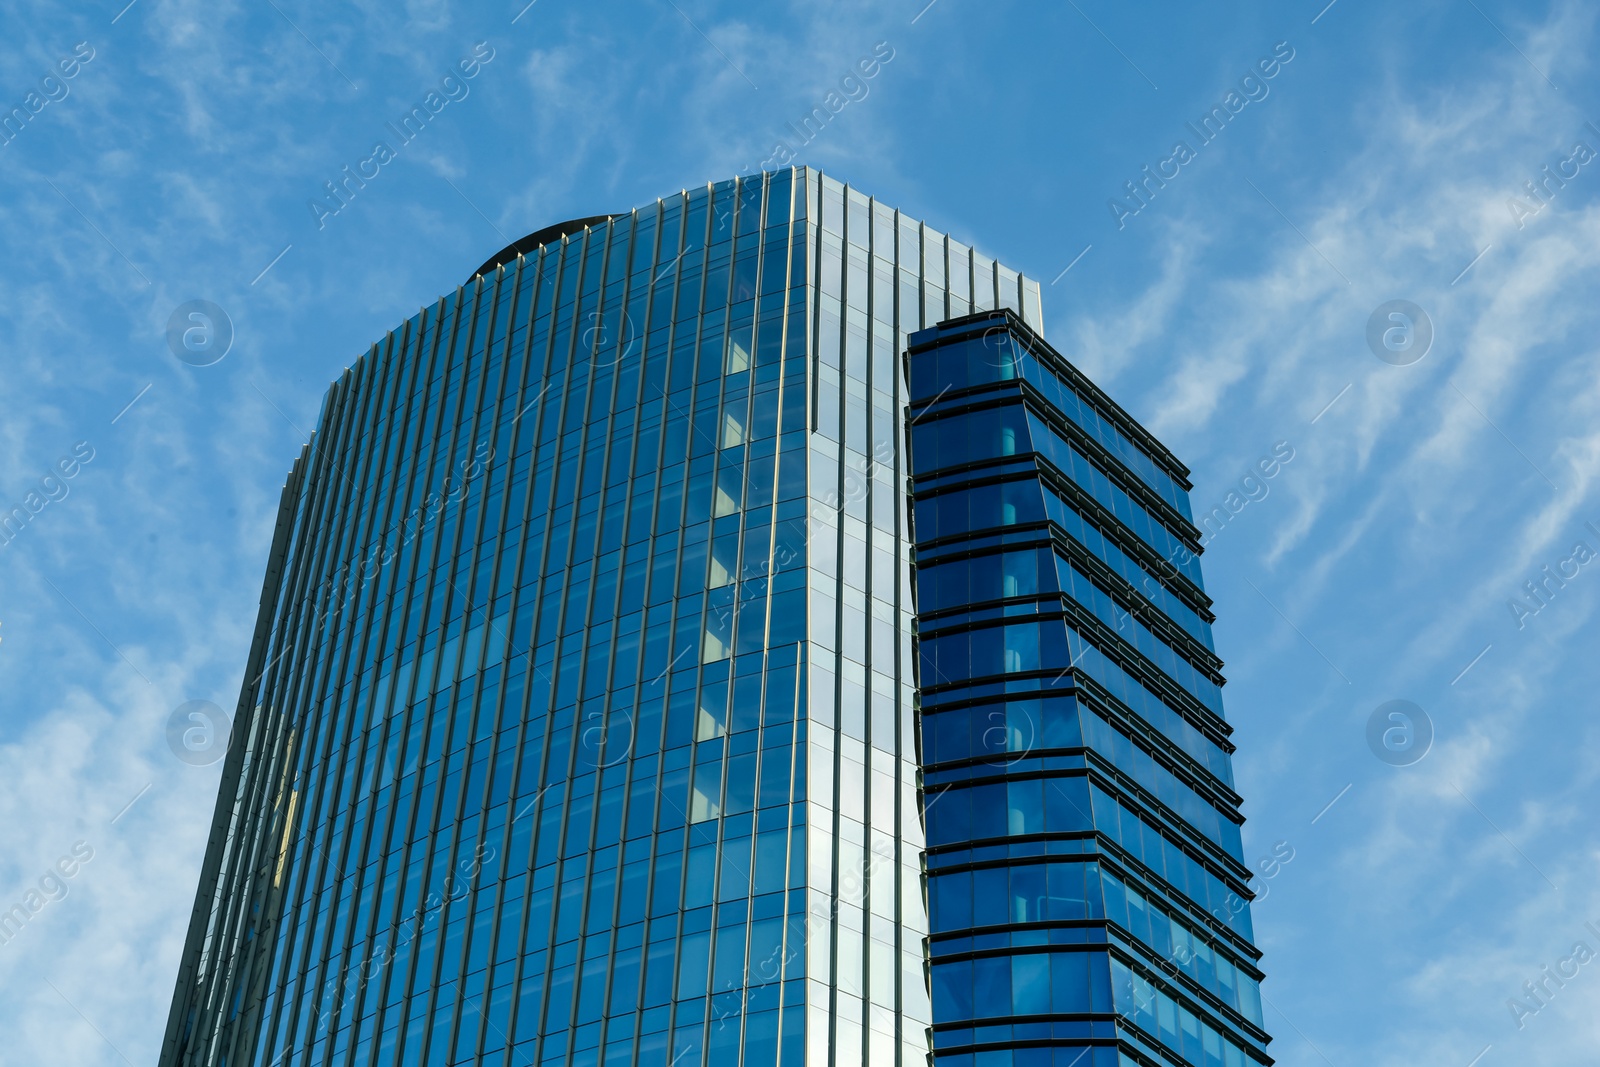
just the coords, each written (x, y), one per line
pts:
(1088, 899)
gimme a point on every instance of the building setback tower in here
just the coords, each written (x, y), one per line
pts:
(582, 723)
(1085, 878)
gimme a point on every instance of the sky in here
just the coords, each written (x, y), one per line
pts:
(1441, 153)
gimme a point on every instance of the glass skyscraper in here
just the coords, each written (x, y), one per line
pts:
(596, 708)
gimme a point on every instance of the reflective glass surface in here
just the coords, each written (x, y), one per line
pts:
(596, 713)
(579, 726)
(1087, 893)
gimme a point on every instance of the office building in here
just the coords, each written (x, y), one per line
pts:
(582, 723)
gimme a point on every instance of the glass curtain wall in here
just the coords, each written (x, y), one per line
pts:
(579, 726)
(1087, 892)
(880, 277)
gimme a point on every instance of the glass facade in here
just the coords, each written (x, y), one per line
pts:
(1086, 888)
(581, 721)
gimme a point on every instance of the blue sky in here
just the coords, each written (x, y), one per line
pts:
(1386, 160)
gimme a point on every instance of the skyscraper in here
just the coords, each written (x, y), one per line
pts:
(1085, 875)
(581, 723)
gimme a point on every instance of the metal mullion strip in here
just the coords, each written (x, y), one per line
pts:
(494, 933)
(658, 482)
(501, 523)
(814, 312)
(396, 491)
(782, 325)
(452, 427)
(907, 320)
(577, 488)
(225, 932)
(538, 264)
(231, 925)
(552, 408)
(589, 606)
(869, 816)
(329, 777)
(241, 888)
(418, 362)
(836, 815)
(334, 776)
(486, 306)
(340, 520)
(722, 400)
(282, 980)
(370, 514)
(744, 564)
(500, 405)
(361, 516)
(423, 439)
(535, 263)
(366, 931)
(314, 765)
(507, 522)
(412, 392)
(762, 266)
(633, 453)
(907, 749)
(291, 606)
(411, 397)
(221, 1026)
(359, 512)
(482, 304)
(505, 401)
(755, 325)
(264, 832)
(370, 639)
(792, 810)
(391, 489)
(224, 823)
(628, 781)
(355, 764)
(571, 550)
(297, 542)
(272, 951)
(280, 829)
(552, 261)
(558, 404)
(548, 261)
(485, 480)
(445, 560)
